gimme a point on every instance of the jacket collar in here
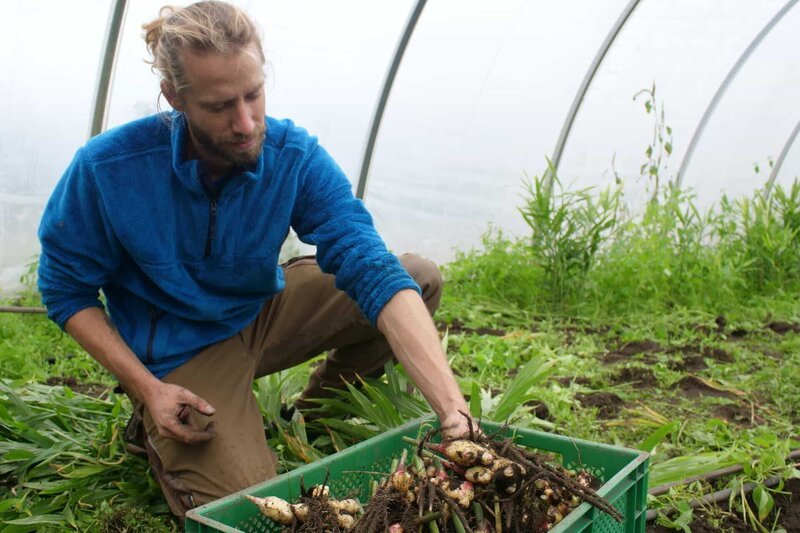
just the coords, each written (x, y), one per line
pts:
(188, 171)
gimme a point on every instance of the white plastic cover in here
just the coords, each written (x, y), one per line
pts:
(478, 103)
(50, 52)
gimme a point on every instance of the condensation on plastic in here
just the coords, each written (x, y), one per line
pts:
(326, 62)
(50, 52)
(685, 49)
(478, 102)
(752, 122)
(474, 128)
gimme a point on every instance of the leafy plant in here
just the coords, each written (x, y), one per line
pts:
(62, 458)
(660, 147)
(567, 229)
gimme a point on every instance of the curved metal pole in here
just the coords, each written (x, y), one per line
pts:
(776, 167)
(113, 35)
(587, 80)
(387, 88)
(724, 86)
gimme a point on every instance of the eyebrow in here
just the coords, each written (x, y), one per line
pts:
(215, 103)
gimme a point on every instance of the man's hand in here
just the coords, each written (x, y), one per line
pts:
(415, 342)
(171, 407)
(458, 425)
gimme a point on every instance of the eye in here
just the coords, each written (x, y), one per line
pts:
(253, 95)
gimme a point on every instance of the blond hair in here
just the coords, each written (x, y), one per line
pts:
(206, 27)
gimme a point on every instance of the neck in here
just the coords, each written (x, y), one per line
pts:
(215, 166)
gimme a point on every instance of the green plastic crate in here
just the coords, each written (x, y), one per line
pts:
(623, 471)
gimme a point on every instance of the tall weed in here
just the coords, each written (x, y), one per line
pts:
(567, 229)
(587, 256)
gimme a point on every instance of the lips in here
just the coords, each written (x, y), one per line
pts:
(244, 144)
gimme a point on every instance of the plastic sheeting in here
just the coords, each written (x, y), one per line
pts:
(478, 104)
(480, 98)
(50, 55)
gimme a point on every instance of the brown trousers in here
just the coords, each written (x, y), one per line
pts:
(310, 316)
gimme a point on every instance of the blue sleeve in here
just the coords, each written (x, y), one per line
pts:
(79, 253)
(328, 215)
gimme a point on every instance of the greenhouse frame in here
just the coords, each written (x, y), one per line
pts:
(610, 190)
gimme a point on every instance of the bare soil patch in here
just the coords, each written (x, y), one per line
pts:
(738, 333)
(688, 363)
(693, 387)
(540, 410)
(737, 414)
(717, 354)
(566, 381)
(456, 326)
(782, 328)
(638, 378)
(608, 403)
(96, 390)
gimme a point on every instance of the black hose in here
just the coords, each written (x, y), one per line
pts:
(17, 309)
(663, 489)
(715, 497)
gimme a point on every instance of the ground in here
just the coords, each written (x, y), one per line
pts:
(684, 377)
(787, 509)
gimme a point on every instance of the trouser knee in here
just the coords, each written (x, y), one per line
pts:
(427, 276)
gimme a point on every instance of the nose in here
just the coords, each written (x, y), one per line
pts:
(243, 123)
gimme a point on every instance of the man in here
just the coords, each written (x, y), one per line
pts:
(179, 219)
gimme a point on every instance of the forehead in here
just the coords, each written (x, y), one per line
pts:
(212, 75)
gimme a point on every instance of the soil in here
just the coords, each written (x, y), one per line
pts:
(566, 381)
(693, 387)
(539, 409)
(456, 326)
(738, 333)
(772, 354)
(689, 358)
(632, 349)
(638, 378)
(738, 414)
(608, 403)
(719, 326)
(782, 328)
(637, 347)
(717, 354)
(96, 390)
(688, 363)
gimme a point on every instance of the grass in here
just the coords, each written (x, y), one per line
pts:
(544, 330)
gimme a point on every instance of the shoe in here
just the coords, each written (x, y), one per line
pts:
(287, 412)
(134, 435)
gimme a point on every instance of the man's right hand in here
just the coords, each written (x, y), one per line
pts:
(171, 407)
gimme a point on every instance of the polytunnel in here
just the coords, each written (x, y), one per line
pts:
(607, 338)
(435, 110)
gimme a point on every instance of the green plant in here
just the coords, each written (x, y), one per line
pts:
(62, 457)
(660, 147)
(567, 229)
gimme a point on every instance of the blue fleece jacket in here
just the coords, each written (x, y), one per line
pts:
(180, 271)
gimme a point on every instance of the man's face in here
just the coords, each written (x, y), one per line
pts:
(224, 107)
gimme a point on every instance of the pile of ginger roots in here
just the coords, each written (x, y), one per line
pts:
(477, 484)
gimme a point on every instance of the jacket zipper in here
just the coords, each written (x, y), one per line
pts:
(212, 228)
(155, 315)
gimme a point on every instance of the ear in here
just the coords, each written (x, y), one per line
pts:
(168, 90)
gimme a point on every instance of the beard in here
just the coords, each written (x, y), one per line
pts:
(225, 148)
